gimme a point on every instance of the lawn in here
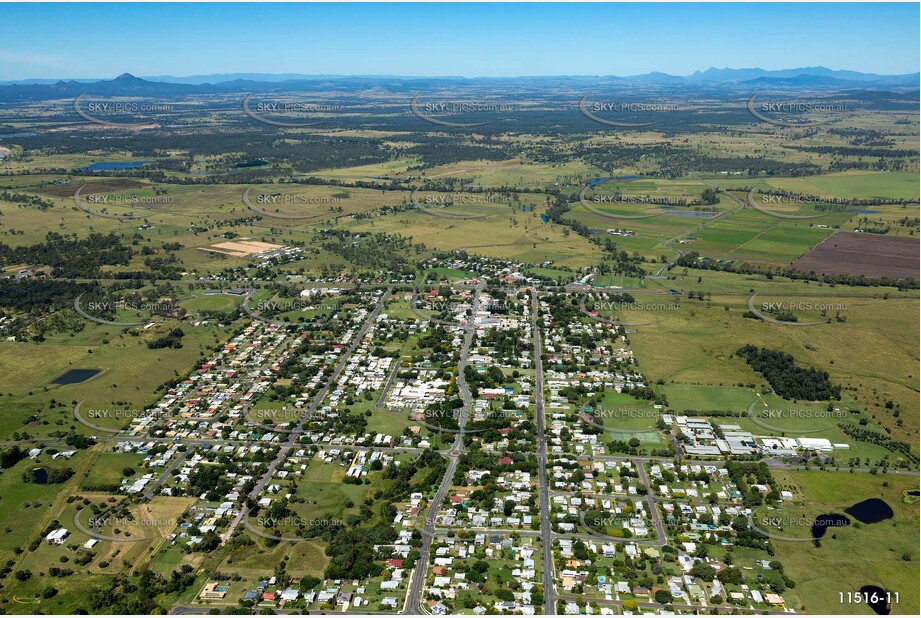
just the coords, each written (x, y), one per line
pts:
(853, 556)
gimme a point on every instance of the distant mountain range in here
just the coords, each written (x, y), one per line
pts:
(813, 78)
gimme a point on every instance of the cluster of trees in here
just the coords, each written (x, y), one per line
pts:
(172, 339)
(788, 380)
(873, 437)
(351, 546)
(25, 199)
(70, 256)
(123, 595)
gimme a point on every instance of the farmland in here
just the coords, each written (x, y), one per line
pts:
(384, 354)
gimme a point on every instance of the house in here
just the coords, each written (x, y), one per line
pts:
(774, 599)
(57, 537)
(213, 591)
(290, 594)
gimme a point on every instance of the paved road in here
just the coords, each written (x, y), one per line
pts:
(546, 532)
(417, 580)
(651, 503)
(658, 606)
(393, 376)
(299, 428)
(177, 462)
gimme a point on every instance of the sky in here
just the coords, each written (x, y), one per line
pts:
(470, 40)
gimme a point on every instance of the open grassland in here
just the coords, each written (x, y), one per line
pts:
(517, 173)
(854, 556)
(517, 236)
(854, 185)
(129, 375)
(874, 350)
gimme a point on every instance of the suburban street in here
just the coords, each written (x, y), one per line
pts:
(417, 581)
(544, 485)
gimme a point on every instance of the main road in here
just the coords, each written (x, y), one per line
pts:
(546, 533)
(317, 401)
(417, 581)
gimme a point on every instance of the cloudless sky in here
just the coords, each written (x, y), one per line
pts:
(104, 40)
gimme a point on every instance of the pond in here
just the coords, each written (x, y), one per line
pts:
(39, 475)
(871, 511)
(877, 599)
(75, 376)
(830, 520)
(112, 165)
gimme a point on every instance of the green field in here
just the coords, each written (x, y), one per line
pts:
(853, 556)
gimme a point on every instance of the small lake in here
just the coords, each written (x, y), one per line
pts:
(75, 376)
(39, 475)
(867, 212)
(112, 165)
(871, 511)
(881, 606)
(15, 135)
(824, 522)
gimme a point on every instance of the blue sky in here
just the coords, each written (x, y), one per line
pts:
(104, 40)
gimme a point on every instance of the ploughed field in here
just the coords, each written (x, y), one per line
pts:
(847, 253)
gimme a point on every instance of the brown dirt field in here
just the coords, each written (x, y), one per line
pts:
(849, 253)
(240, 248)
(103, 186)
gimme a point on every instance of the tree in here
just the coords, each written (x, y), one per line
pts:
(703, 571)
